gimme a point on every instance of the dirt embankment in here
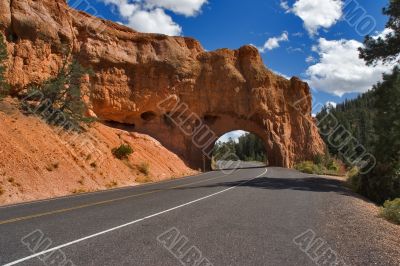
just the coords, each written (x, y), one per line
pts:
(38, 161)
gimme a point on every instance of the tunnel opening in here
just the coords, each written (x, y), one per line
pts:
(239, 149)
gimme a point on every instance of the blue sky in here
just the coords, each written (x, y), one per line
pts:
(313, 39)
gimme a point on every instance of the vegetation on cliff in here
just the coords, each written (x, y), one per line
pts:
(123, 151)
(60, 98)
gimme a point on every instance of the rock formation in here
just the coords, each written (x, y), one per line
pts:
(38, 161)
(223, 90)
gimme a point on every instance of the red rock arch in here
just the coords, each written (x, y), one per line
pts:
(135, 71)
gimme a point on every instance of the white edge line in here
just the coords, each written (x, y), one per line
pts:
(127, 224)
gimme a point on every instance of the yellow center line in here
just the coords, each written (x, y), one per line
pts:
(23, 218)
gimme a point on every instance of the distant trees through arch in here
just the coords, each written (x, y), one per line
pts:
(240, 145)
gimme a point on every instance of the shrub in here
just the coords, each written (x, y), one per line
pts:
(123, 151)
(354, 171)
(112, 184)
(144, 168)
(308, 167)
(333, 165)
(52, 166)
(214, 165)
(143, 179)
(79, 191)
(391, 210)
(380, 184)
(322, 164)
(353, 179)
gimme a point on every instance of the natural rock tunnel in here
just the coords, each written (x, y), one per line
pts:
(167, 87)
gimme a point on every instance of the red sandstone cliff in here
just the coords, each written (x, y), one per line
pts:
(226, 89)
(38, 161)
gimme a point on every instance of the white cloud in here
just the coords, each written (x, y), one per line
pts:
(298, 34)
(384, 33)
(149, 15)
(273, 42)
(339, 69)
(330, 104)
(310, 59)
(291, 49)
(124, 8)
(184, 7)
(318, 13)
(233, 135)
(154, 21)
(285, 6)
(281, 74)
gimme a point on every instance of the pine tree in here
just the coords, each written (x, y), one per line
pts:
(384, 181)
(60, 97)
(249, 147)
(4, 87)
(386, 49)
(387, 125)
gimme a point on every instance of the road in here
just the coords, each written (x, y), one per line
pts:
(249, 216)
(221, 165)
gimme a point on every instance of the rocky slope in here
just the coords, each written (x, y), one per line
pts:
(38, 161)
(224, 89)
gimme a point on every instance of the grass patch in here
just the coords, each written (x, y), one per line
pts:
(353, 179)
(112, 184)
(81, 181)
(79, 191)
(144, 168)
(53, 166)
(122, 152)
(143, 179)
(307, 167)
(322, 165)
(391, 211)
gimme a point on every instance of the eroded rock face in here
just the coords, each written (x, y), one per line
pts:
(224, 90)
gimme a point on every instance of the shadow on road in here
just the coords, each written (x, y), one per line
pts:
(315, 184)
(238, 168)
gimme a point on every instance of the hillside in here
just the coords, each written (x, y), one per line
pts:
(368, 127)
(357, 116)
(38, 161)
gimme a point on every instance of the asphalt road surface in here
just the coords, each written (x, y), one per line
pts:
(221, 165)
(252, 216)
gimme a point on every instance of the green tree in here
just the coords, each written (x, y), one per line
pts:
(386, 49)
(4, 87)
(249, 147)
(60, 97)
(387, 125)
(383, 182)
